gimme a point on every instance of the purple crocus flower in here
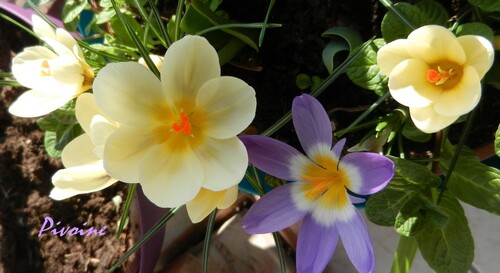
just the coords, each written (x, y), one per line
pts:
(319, 194)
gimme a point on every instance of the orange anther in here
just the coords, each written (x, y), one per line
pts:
(183, 125)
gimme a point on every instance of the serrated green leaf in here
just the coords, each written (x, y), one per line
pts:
(486, 5)
(365, 72)
(449, 249)
(475, 28)
(392, 28)
(497, 141)
(50, 141)
(472, 181)
(409, 181)
(341, 39)
(435, 12)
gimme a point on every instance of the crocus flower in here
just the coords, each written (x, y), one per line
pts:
(176, 135)
(82, 157)
(206, 201)
(55, 75)
(319, 194)
(436, 74)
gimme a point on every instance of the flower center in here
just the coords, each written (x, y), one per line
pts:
(45, 69)
(444, 74)
(183, 125)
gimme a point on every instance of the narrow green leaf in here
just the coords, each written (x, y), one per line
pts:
(497, 141)
(266, 19)
(449, 249)
(365, 72)
(472, 181)
(206, 242)
(486, 5)
(126, 208)
(36, 2)
(404, 255)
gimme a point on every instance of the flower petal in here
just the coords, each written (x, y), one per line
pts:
(272, 156)
(311, 123)
(462, 98)
(315, 246)
(357, 243)
(123, 150)
(409, 86)
(26, 66)
(85, 109)
(274, 211)
(479, 51)
(391, 55)
(41, 28)
(338, 147)
(428, 121)
(224, 162)
(79, 152)
(433, 43)
(374, 171)
(81, 179)
(228, 106)
(134, 91)
(35, 103)
(170, 178)
(206, 201)
(69, 42)
(189, 63)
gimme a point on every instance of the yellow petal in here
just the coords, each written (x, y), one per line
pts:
(80, 179)
(100, 130)
(479, 51)
(206, 201)
(189, 63)
(170, 178)
(41, 28)
(67, 40)
(434, 44)
(26, 66)
(224, 162)
(428, 121)
(227, 106)
(409, 86)
(135, 92)
(391, 55)
(462, 98)
(35, 103)
(79, 152)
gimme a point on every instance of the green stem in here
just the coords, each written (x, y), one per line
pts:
(390, 6)
(206, 243)
(404, 255)
(177, 28)
(279, 250)
(237, 25)
(264, 25)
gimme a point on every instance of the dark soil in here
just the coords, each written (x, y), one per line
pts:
(26, 170)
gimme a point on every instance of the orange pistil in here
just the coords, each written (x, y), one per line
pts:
(440, 76)
(183, 125)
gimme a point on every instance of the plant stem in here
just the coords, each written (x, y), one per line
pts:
(206, 243)
(404, 255)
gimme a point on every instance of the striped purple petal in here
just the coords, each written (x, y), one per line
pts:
(357, 243)
(274, 211)
(375, 170)
(271, 156)
(315, 246)
(311, 123)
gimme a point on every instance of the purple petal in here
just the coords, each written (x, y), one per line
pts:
(274, 211)
(315, 246)
(311, 123)
(271, 156)
(357, 243)
(375, 171)
(338, 147)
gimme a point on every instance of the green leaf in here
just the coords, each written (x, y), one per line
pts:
(475, 28)
(68, 134)
(72, 10)
(341, 39)
(472, 181)
(50, 141)
(497, 141)
(404, 255)
(435, 12)
(105, 16)
(409, 220)
(410, 181)
(486, 5)
(365, 72)
(449, 249)
(48, 123)
(392, 28)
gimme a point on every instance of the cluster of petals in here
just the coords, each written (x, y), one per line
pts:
(82, 157)
(56, 74)
(436, 74)
(177, 136)
(319, 192)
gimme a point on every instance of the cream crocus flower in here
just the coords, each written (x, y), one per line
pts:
(55, 75)
(176, 135)
(82, 157)
(206, 201)
(436, 74)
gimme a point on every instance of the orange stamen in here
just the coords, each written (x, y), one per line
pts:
(45, 68)
(183, 125)
(433, 76)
